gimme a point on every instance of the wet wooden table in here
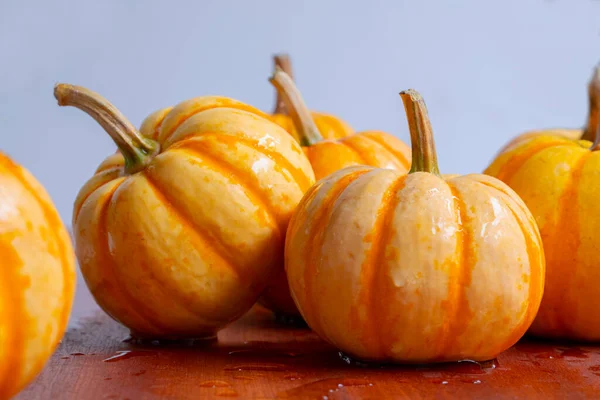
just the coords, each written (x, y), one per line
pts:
(256, 358)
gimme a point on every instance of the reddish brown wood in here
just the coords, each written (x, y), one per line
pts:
(255, 358)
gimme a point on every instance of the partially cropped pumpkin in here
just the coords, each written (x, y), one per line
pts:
(415, 268)
(327, 156)
(177, 236)
(587, 133)
(559, 180)
(37, 277)
(330, 127)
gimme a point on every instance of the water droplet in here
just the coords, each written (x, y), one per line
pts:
(340, 385)
(477, 382)
(444, 382)
(325, 398)
(127, 354)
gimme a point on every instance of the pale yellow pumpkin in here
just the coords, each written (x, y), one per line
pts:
(415, 268)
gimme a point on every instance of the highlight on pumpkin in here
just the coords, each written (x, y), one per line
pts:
(184, 241)
(377, 228)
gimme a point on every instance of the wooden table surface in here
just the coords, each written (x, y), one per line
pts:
(257, 358)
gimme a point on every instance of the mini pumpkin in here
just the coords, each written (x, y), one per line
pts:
(330, 127)
(177, 235)
(587, 133)
(37, 277)
(559, 180)
(327, 156)
(415, 268)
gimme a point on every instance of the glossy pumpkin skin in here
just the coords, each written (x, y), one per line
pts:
(37, 277)
(326, 156)
(415, 268)
(329, 126)
(187, 244)
(373, 148)
(559, 181)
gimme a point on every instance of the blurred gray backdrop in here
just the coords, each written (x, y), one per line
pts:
(487, 69)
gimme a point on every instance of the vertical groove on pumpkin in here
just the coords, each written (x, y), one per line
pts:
(211, 243)
(315, 242)
(511, 166)
(567, 222)
(104, 259)
(401, 158)
(533, 260)
(198, 150)
(382, 231)
(461, 312)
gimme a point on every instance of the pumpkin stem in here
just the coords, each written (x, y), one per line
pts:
(136, 149)
(424, 157)
(307, 129)
(283, 62)
(594, 112)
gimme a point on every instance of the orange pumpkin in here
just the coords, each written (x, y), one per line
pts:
(415, 268)
(587, 133)
(327, 156)
(37, 277)
(375, 148)
(558, 178)
(177, 236)
(329, 126)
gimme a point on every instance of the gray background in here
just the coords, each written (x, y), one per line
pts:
(488, 70)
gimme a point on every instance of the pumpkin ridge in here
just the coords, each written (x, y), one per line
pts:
(374, 275)
(461, 312)
(241, 106)
(533, 259)
(512, 165)
(14, 308)
(79, 203)
(353, 148)
(210, 242)
(54, 222)
(139, 311)
(316, 238)
(568, 221)
(300, 179)
(521, 206)
(196, 150)
(334, 123)
(398, 155)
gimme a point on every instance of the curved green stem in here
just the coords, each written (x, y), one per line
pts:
(283, 62)
(593, 124)
(424, 157)
(137, 150)
(307, 129)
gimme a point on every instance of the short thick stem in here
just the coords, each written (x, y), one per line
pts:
(136, 149)
(283, 62)
(424, 157)
(593, 123)
(307, 129)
